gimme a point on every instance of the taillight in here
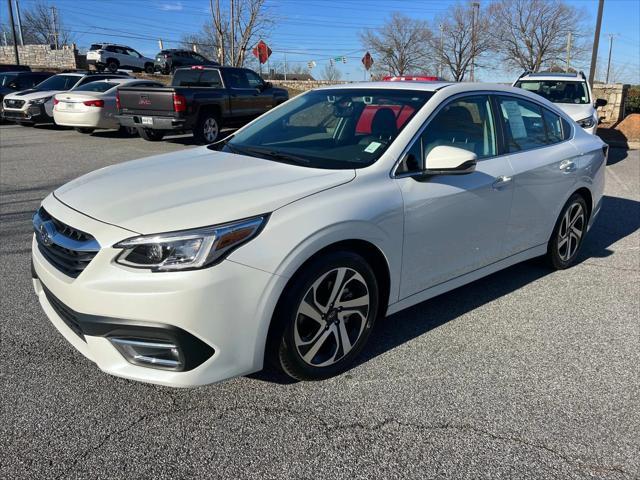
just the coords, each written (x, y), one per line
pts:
(94, 103)
(118, 100)
(56, 101)
(179, 103)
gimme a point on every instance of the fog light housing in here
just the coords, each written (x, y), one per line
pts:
(150, 353)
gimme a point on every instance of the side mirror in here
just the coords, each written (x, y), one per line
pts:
(600, 102)
(445, 160)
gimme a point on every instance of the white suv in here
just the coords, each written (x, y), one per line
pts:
(570, 91)
(112, 57)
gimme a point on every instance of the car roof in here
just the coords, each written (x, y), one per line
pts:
(567, 76)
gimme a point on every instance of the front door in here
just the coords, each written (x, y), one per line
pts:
(455, 224)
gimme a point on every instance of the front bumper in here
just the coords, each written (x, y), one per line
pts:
(158, 123)
(227, 308)
(33, 114)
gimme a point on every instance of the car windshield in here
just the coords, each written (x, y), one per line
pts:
(332, 129)
(58, 82)
(557, 91)
(96, 87)
(7, 78)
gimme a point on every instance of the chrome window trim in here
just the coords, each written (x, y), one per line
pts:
(494, 93)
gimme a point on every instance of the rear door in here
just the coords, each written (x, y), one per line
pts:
(243, 98)
(544, 170)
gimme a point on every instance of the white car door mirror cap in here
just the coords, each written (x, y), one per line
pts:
(446, 160)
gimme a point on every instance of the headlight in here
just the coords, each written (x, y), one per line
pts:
(587, 122)
(188, 249)
(40, 101)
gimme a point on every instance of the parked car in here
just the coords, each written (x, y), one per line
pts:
(7, 67)
(570, 91)
(114, 57)
(286, 241)
(93, 105)
(200, 99)
(167, 61)
(20, 80)
(35, 105)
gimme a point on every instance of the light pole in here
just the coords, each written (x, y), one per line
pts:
(609, 61)
(13, 32)
(596, 40)
(474, 6)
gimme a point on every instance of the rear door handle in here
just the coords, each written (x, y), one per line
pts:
(567, 166)
(501, 181)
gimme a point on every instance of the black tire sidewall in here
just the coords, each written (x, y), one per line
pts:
(553, 256)
(109, 66)
(149, 68)
(288, 358)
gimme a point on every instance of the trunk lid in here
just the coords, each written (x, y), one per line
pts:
(147, 100)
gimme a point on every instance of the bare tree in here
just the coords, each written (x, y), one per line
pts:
(38, 26)
(230, 38)
(399, 46)
(456, 47)
(531, 34)
(331, 72)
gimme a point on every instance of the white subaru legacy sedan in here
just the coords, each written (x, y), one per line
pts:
(286, 242)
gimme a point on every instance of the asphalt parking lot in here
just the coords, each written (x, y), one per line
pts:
(524, 374)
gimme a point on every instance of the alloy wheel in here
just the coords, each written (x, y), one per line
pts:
(571, 231)
(210, 129)
(331, 317)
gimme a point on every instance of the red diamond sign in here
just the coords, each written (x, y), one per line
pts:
(367, 60)
(262, 52)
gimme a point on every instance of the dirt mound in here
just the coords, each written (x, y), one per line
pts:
(630, 127)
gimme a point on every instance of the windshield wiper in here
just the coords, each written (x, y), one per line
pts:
(273, 154)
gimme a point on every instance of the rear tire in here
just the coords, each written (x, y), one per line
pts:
(568, 234)
(207, 128)
(86, 131)
(151, 135)
(128, 131)
(325, 317)
(149, 68)
(113, 65)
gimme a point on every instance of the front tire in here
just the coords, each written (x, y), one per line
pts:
(149, 68)
(151, 135)
(86, 131)
(325, 316)
(207, 129)
(568, 234)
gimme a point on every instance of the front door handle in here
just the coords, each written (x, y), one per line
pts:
(501, 181)
(567, 166)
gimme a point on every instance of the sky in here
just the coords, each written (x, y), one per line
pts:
(317, 30)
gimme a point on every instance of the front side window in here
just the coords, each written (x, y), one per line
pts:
(254, 80)
(319, 129)
(237, 79)
(557, 91)
(465, 123)
(524, 126)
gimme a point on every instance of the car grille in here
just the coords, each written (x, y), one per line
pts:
(68, 316)
(68, 249)
(11, 103)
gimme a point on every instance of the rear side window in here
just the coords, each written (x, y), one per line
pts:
(96, 46)
(237, 79)
(554, 127)
(211, 78)
(524, 126)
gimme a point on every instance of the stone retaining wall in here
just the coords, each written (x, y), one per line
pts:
(44, 56)
(615, 95)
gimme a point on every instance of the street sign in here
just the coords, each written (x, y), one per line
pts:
(262, 52)
(367, 61)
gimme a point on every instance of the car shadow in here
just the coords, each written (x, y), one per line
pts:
(622, 219)
(616, 155)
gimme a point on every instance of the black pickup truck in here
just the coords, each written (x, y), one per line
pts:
(201, 99)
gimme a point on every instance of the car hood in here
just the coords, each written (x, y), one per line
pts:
(576, 111)
(32, 94)
(192, 188)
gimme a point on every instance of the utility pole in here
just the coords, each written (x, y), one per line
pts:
(55, 26)
(13, 32)
(609, 61)
(19, 24)
(441, 64)
(474, 6)
(233, 38)
(568, 51)
(596, 40)
(285, 66)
